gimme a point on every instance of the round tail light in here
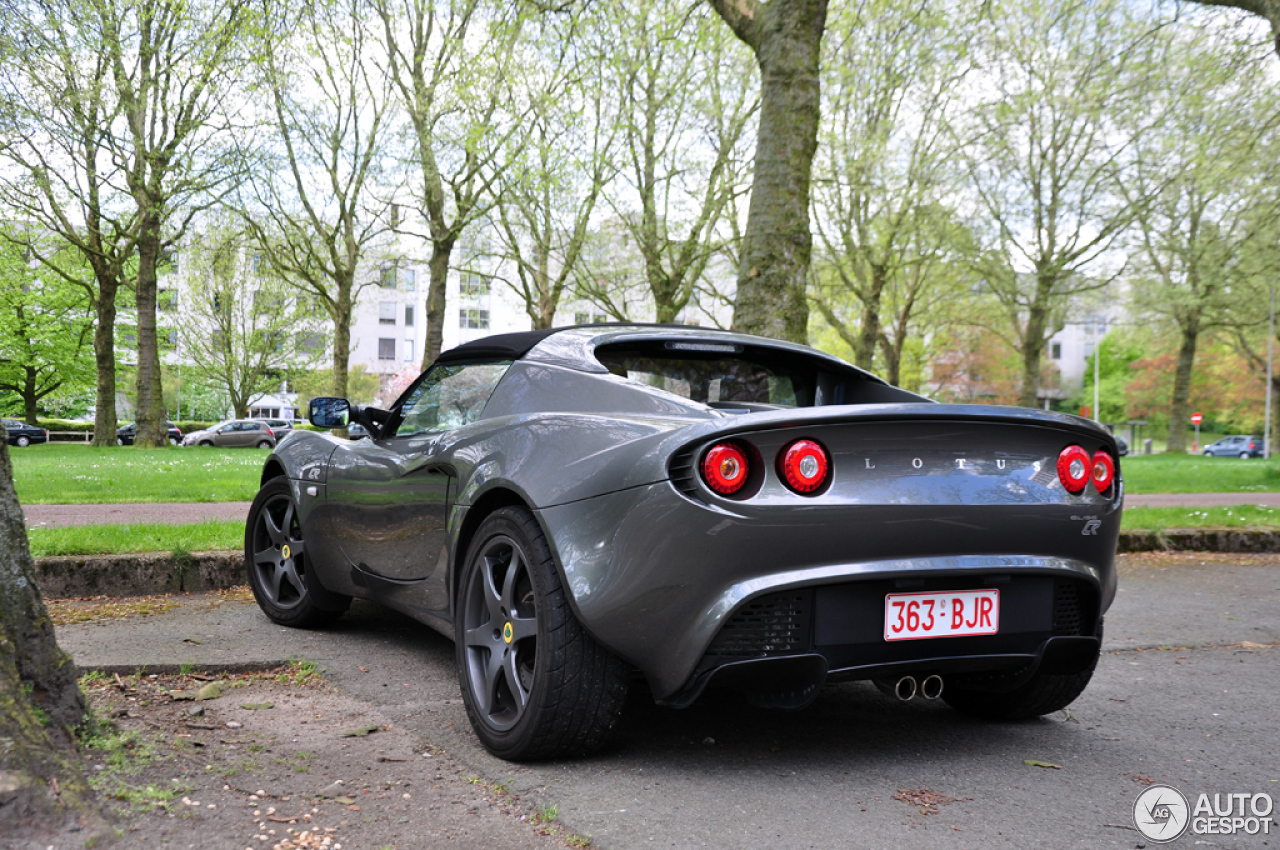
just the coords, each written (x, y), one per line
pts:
(803, 465)
(724, 468)
(1104, 471)
(1074, 469)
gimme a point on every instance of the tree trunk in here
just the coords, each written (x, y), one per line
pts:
(151, 430)
(439, 265)
(42, 790)
(104, 355)
(29, 396)
(1034, 339)
(1180, 409)
(786, 37)
(342, 339)
(865, 351)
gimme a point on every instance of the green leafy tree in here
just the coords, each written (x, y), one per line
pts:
(1042, 149)
(312, 203)
(883, 173)
(46, 330)
(242, 330)
(1200, 183)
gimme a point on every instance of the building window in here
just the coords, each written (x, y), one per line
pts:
(387, 277)
(470, 317)
(311, 343)
(408, 350)
(410, 280)
(585, 318)
(408, 315)
(1056, 350)
(256, 263)
(387, 313)
(386, 349)
(266, 301)
(474, 286)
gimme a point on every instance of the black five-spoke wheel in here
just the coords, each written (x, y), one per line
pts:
(276, 557)
(535, 684)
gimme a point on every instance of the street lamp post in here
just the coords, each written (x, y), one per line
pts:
(1271, 340)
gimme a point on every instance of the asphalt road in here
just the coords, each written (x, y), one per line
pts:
(1185, 694)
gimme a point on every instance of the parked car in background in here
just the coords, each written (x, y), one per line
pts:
(279, 425)
(126, 433)
(247, 433)
(1238, 445)
(22, 435)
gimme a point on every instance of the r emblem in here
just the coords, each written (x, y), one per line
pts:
(1091, 528)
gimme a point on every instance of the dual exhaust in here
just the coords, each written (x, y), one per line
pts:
(907, 687)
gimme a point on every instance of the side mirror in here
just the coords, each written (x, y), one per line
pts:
(327, 412)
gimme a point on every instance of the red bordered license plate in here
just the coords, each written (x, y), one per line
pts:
(952, 613)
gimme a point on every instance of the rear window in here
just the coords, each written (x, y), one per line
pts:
(718, 374)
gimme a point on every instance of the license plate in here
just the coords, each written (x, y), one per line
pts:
(953, 613)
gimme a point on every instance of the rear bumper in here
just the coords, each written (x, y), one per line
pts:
(659, 579)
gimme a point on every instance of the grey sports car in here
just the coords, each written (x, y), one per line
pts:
(584, 506)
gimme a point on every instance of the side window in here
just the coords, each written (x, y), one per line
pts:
(450, 396)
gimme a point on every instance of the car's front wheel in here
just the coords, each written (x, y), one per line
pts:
(119, 441)
(278, 562)
(206, 443)
(22, 442)
(1208, 453)
(535, 684)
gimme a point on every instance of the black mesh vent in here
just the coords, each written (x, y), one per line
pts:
(776, 624)
(682, 474)
(1071, 614)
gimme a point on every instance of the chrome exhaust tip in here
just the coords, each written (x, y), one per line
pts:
(905, 688)
(931, 687)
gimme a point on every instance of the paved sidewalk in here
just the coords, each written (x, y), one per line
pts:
(62, 515)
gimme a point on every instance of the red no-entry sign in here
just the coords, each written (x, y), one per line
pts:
(1196, 419)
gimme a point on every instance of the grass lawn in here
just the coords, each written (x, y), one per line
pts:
(1236, 516)
(76, 474)
(1198, 474)
(211, 535)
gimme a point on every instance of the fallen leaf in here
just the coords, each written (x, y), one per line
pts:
(256, 706)
(1038, 763)
(346, 801)
(192, 640)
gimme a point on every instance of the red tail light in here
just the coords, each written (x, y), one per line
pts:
(804, 465)
(724, 468)
(1252, 446)
(1104, 471)
(1074, 469)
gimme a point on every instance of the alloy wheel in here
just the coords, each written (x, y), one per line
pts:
(279, 553)
(500, 625)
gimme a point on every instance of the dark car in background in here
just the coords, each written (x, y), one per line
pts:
(126, 433)
(21, 434)
(1238, 445)
(234, 433)
(575, 507)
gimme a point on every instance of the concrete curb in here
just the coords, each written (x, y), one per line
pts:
(64, 577)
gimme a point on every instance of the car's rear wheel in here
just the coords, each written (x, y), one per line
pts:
(1244, 455)
(1043, 694)
(119, 441)
(23, 442)
(264, 444)
(535, 684)
(173, 441)
(278, 563)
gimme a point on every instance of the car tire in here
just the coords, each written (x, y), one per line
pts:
(22, 442)
(1245, 455)
(1043, 693)
(1208, 453)
(278, 565)
(173, 441)
(264, 444)
(119, 441)
(555, 692)
(205, 444)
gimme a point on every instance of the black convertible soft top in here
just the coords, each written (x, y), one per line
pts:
(510, 346)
